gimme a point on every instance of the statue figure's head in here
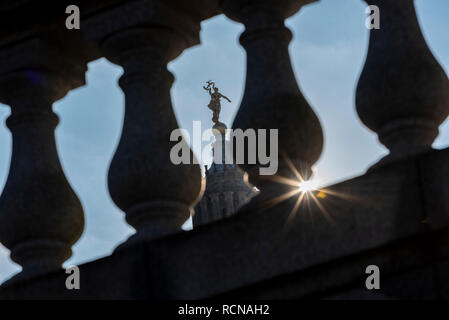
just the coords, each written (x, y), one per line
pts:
(215, 89)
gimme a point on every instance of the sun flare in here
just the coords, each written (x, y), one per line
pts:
(308, 186)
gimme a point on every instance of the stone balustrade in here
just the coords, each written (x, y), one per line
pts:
(402, 95)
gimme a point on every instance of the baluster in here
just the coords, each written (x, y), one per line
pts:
(40, 215)
(156, 195)
(403, 93)
(272, 99)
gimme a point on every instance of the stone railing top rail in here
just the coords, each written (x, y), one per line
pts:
(27, 18)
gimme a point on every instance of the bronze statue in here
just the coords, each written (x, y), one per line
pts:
(214, 103)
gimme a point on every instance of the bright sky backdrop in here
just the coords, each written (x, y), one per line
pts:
(328, 51)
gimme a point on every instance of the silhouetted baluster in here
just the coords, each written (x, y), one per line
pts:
(272, 99)
(156, 194)
(40, 215)
(403, 93)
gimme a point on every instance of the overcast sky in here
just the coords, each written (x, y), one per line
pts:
(327, 51)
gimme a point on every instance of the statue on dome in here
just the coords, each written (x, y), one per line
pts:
(215, 97)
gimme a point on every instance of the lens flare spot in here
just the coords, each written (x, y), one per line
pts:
(321, 195)
(307, 186)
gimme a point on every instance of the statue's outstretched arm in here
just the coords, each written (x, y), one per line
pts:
(225, 97)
